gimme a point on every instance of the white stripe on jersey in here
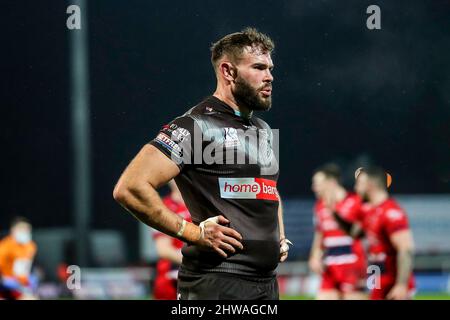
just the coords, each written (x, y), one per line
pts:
(337, 241)
(342, 259)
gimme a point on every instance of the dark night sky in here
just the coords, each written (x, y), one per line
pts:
(341, 91)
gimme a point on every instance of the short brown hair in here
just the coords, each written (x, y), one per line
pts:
(330, 170)
(233, 44)
(17, 220)
(378, 175)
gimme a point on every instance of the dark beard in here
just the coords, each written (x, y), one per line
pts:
(248, 96)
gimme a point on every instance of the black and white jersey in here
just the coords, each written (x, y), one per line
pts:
(228, 166)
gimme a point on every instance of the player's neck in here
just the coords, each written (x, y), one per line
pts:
(341, 193)
(229, 99)
(378, 198)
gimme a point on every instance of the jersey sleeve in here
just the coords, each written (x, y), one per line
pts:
(395, 219)
(350, 209)
(176, 140)
(4, 256)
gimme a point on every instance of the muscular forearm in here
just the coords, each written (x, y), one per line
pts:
(146, 205)
(404, 266)
(316, 248)
(316, 253)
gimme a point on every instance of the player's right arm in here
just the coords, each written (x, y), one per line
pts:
(315, 257)
(400, 235)
(402, 241)
(136, 192)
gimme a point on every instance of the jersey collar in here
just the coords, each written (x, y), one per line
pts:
(221, 106)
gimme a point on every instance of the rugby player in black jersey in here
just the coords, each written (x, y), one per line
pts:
(223, 160)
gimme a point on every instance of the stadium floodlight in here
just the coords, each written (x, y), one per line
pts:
(79, 102)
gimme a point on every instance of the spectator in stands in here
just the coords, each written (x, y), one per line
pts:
(17, 252)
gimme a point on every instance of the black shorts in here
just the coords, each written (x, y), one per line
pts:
(225, 286)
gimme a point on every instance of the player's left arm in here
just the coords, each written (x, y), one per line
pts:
(402, 241)
(284, 243)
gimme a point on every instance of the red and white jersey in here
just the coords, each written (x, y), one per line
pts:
(339, 248)
(164, 266)
(379, 223)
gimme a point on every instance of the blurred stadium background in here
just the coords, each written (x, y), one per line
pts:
(342, 93)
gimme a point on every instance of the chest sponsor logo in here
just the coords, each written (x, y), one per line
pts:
(231, 138)
(393, 214)
(248, 188)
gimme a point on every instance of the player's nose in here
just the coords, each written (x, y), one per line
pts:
(268, 77)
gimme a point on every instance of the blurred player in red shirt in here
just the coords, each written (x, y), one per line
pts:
(169, 250)
(386, 227)
(17, 252)
(336, 256)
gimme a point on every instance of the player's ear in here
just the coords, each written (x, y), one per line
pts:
(388, 179)
(228, 71)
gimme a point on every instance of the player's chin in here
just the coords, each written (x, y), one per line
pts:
(265, 102)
